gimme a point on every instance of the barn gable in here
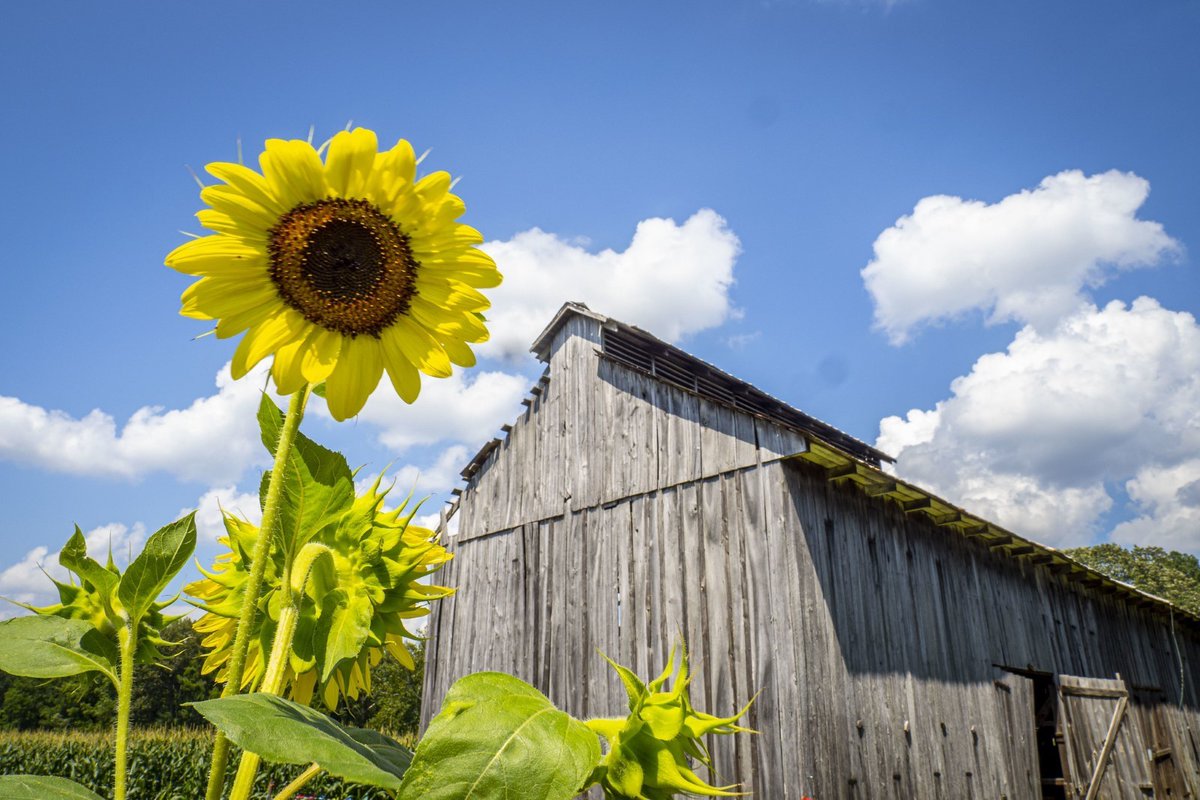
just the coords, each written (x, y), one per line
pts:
(901, 647)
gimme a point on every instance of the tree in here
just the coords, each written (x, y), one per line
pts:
(1167, 574)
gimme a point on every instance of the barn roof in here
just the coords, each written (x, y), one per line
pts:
(843, 458)
(642, 350)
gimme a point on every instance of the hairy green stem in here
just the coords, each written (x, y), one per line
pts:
(303, 778)
(127, 642)
(258, 565)
(281, 647)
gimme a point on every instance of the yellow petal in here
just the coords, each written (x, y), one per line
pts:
(458, 352)
(248, 182)
(404, 376)
(233, 324)
(285, 369)
(359, 368)
(420, 348)
(217, 297)
(234, 226)
(265, 338)
(241, 208)
(349, 162)
(320, 354)
(294, 172)
(210, 255)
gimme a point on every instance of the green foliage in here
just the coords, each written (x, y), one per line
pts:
(161, 559)
(1167, 574)
(160, 691)
(40, 787)
(50, 647)
(318, 486)
(497, 736)
(164, 765)
(394, 703)
(84, 702)
(285, 732)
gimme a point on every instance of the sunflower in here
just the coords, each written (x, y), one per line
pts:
(380, 567)
(339, 269)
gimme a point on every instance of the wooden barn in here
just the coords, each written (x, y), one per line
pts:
(900, 647)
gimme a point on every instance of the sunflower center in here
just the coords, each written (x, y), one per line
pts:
(343, 264)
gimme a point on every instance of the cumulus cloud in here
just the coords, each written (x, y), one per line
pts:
(466, 407)
(26, 581)
(1168, 502)
(210, 524)
(672, 279)
(211, 441)
(1027, 258)
(1034, 437)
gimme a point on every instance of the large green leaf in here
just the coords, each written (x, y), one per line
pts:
(49, 647)
(318, 485)
(342, 628)
(285, 732)
(163, 556)
(74, 556)
(43, 787)
(497, 736)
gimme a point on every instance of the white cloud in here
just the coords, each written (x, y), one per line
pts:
(210, 524)
(673, 280)
(466, 407)
(26, 582)
(1027, 258)
(1032, 436)
(211, 441)
(441, 476)
(1168, 502)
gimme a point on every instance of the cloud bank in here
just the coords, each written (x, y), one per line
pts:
(1027, 258)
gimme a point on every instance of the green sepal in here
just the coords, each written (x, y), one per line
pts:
(161, 559)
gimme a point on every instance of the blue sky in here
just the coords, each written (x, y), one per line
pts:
(719, 173)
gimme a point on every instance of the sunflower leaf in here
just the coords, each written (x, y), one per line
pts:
(161, 559)
(497, 736)
(285, 732)
(74, 556)
(43, 787)
(342, 628)
(49, 647)
(318, 486)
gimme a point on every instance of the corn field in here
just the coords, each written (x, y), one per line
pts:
(165, 764)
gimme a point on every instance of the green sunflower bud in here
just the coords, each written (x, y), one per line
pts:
(651, 751)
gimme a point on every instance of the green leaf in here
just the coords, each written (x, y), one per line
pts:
(285, 732)
(74, 556)
(49, 647)
(342, 628)
(163, 556)
(43, 787)
(318, 486)
(497, 736)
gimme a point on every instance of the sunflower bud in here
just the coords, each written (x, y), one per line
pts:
(650, 751)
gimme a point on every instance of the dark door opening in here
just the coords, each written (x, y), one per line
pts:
(1049, 737)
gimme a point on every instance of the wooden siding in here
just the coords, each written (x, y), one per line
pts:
(621, 514)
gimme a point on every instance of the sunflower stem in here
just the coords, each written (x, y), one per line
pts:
(127, 642)
(287, 792)
(258, 565)
(274, 677)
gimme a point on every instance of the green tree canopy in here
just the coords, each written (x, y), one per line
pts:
(1167, 574)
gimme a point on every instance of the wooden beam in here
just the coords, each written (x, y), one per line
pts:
(876, 489)
(918, 504)
(1024, 549)
(948, 518)
(1109, 740)
(975, 530)
(506, 428)
(841, 471)
(1044, 558)
(1000, 541)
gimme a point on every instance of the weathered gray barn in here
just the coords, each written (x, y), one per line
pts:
(900, 647)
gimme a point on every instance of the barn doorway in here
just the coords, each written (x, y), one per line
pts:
(1049, 737)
